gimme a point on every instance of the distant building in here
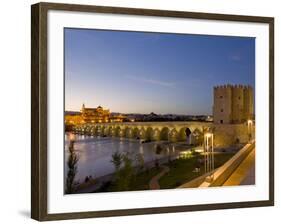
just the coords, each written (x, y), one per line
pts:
(92, 115)
(99, 115)
(233, 104)
(95, 115)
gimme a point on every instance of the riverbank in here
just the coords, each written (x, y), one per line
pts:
(177, 171)
(95, 155)
(103, 183)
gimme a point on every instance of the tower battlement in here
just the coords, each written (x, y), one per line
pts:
(233, 103)
(236, 86)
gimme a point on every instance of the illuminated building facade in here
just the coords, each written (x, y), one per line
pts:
(92, 115)
(95, 115)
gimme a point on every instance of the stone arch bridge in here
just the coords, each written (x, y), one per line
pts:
(149, 131)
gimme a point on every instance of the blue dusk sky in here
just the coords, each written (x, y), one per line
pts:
(139, 72)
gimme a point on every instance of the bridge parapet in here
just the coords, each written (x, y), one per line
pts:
(169, 131)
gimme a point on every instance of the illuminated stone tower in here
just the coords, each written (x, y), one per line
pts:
(233, 104)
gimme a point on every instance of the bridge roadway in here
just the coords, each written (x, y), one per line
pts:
(244, 174)
(171, 131)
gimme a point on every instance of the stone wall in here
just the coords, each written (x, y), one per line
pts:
(229, 134)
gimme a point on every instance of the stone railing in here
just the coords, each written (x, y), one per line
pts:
(224, 172)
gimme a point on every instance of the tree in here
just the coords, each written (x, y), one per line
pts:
(125, 174)
(140, 161)
(124, 170)
(72, 168)
(116, 160)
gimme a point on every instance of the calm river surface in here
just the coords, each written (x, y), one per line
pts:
(95, 153)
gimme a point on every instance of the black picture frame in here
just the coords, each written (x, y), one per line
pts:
(39, 108)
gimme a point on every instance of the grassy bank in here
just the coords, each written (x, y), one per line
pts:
(139, 182)
(181, 170)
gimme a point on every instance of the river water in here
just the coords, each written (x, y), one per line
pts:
(95, 153)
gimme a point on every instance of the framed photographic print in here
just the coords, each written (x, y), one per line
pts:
(139, 111)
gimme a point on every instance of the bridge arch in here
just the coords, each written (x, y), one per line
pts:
(135, 133)
(122, 133)
(184, 134)
(90, 131)
(102, 127)
(98, 130)
(141, 133)
(149, 133)
(106, 131)
(111, 131)
(164, 134)
(173, 135)
(156, 134)
(118, 132)
(87, 130)
(128, 132)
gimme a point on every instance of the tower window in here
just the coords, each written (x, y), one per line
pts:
(221, 97)
(221, 110)
(221, 121)
(239, 97)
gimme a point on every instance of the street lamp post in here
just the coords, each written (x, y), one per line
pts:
(209, 153)
(250, 125)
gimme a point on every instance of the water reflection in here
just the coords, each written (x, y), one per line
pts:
(95, 153)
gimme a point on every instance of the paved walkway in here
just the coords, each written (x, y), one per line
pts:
(153, 183)
(245, 172)
(250, 178)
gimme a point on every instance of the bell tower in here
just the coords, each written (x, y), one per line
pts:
(83, 108)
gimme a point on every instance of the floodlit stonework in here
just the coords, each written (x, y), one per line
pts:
(229, 134)
(95, 115)
(233, 104)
